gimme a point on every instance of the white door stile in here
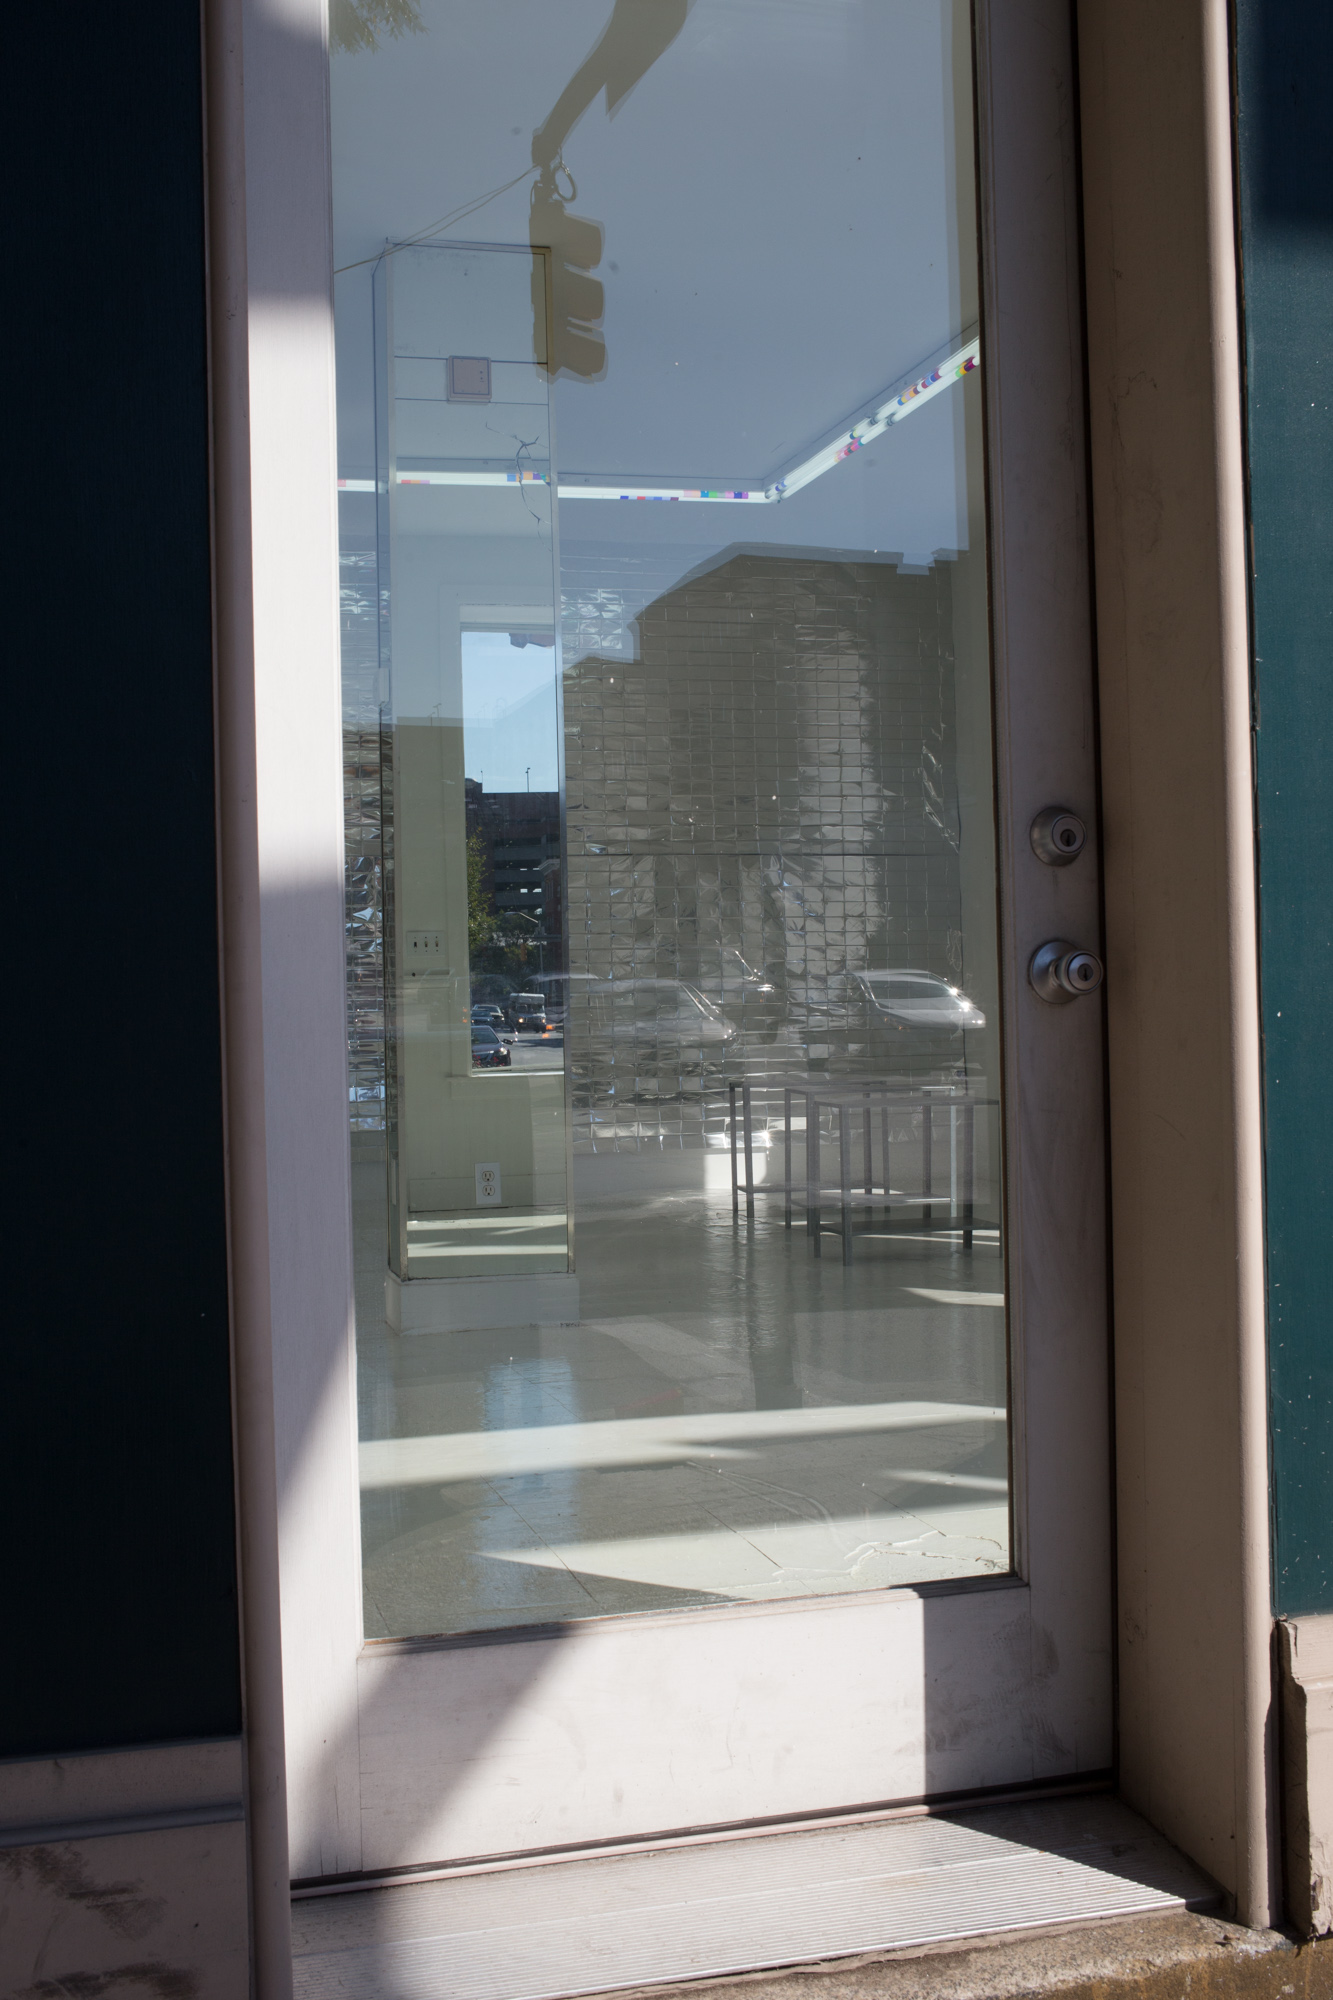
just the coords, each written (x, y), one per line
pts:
(294, 795)
(408, 1754)
(1046, 755)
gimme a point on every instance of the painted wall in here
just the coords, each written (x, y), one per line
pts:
(1285, 127)
(115, 1439)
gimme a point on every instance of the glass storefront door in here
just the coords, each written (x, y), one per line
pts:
(685, 1036)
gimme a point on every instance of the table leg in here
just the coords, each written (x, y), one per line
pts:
(927, 1144)
(869, 1154)
(969, 1170)
(735, 1178)
(953, 1165)
(812, 1173)
(845, 1178)
(884, 1148)
(749, 1152)
(786, 1159)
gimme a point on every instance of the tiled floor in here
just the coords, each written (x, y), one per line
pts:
(731, 1420)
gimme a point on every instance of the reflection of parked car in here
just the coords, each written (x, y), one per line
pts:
(909, 999)
(645, 1041)
(488, 1051)
(527, 1010)
(660, 1011)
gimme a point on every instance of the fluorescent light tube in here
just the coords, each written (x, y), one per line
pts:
(964, 362)
(629, 491)
(472, 479)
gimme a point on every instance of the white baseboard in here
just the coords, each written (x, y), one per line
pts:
(451, 1305)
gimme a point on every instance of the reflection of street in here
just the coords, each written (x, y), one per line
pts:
(538, 1052)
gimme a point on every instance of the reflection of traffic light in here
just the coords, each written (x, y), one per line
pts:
(638, 32)
(573, 314)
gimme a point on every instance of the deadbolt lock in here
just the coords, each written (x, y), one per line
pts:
(1058, 836)
(1060, 972)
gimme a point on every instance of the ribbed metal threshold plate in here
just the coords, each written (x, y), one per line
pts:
(691, 1912)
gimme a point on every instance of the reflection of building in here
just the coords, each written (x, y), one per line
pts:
(520, 836)
(800, 827)
(764, 804)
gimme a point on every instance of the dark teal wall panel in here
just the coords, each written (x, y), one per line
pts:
(117, 1543)
(1285, 127)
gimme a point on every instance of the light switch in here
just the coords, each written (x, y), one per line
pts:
(423, 951)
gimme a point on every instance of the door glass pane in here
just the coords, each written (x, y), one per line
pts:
(672, 977)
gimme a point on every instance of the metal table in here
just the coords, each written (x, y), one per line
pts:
(844, 1096)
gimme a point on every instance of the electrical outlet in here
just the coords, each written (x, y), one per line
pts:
(488, 1184)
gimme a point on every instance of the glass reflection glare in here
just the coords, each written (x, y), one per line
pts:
(667, 727)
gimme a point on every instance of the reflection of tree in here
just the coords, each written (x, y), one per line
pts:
(496, 939)
(482, 928)
(359, 25)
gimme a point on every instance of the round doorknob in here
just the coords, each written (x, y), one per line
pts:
(1058, 836)
(1060, 972)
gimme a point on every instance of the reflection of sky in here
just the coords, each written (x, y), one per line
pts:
(780, 195)
(777, 196)
(509, 717)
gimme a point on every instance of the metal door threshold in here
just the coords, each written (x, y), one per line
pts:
(696, 1912)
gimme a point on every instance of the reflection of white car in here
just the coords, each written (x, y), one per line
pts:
(911, 999)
